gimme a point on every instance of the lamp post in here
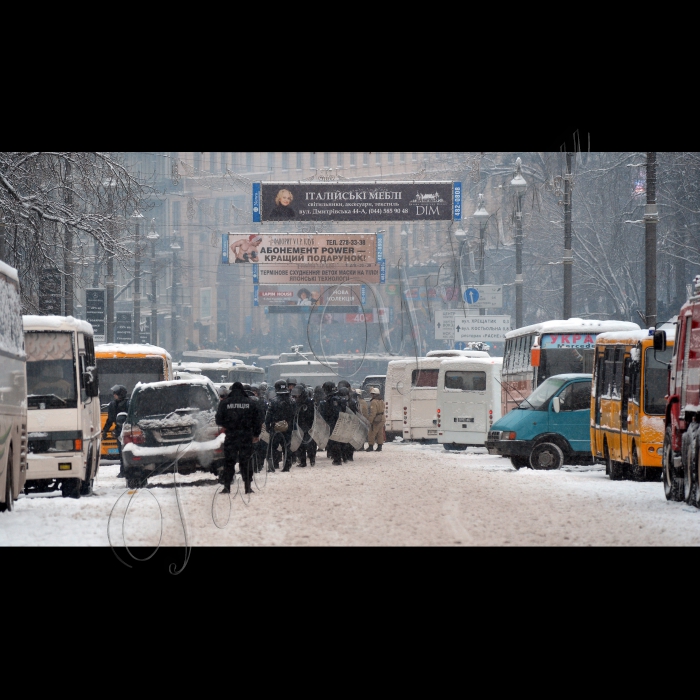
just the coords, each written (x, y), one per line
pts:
(651, 219)
(461, 237)
(518, 185)
(482, 216)
(174, 246)
(153, 236)
(136, 217)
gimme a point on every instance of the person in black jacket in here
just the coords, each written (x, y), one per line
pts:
(281, 409)
(239, 415)
(305, 418)
(330, 409)
(120, 404)
(346, 449)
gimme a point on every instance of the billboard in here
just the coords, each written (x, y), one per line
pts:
(357, 201)
(316, 274)
(299, 249)
(95, 312)
(309, 295)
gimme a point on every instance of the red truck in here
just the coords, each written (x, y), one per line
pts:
(681, 447)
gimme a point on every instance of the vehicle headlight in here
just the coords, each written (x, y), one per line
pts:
(660, 451)
(509, 435)
(63, 445)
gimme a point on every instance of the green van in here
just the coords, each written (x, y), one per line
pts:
(549, 428)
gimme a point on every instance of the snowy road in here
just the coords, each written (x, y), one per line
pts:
(406, 495)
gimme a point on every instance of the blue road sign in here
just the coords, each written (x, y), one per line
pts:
(255, 295)
(457, 201)
(255, 272)
(224, 248)
(471, 295)
(363, 294)
(460, 345)
(256, 201)
(382, 272)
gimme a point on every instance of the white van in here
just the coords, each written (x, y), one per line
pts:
(13, 391)
(468, 400)
(63, 407)
(410, 395)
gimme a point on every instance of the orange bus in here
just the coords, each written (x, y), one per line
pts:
(127, 364)
(628, 404)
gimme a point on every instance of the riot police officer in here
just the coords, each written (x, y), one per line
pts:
(347, 450)
(280, 411)
(305, 419)
(120, 404)
(239, 415)
(330, 409)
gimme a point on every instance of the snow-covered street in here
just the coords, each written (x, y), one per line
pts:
(408, 494)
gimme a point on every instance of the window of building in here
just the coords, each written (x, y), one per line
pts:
(402, 157)
(285, 160)
(270, 161)
(326, 159)
(248, 161)
(175, 212)
(365, 159)
(312, 159)
(390, 157)
(378, 158)
(223, 162)
(212, 162)
(414, 156)
(353, 159)
(300, 160)
(197, 160)
(205, 302)
(339, 160)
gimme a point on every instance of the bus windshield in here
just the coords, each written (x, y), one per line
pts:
(564, 361)
(50, 370)
(127, 371)
(539, 398)
(656, 381)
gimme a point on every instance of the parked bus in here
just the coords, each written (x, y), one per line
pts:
(248, 358)
(630, 383)
(127, 364)
(13, 399)
(63, 409)
(410, 396)
(534, 353)
(309, 372)
(225, 371)
(468, 400)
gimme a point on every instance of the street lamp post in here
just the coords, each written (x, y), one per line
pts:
(461, 236)
(174, 246)
(482, 216)
(109, 281)
(153, 236)
(519, 185)
(137, 216)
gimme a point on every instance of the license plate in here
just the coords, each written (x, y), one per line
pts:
(175, 431)
(432, 432)
(113, 451)
(464, 420)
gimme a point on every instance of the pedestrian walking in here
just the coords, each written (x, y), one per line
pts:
(119, 404)
(304, 406)
(279, 422)
(330, 409)
(376, 421)
(239, 416)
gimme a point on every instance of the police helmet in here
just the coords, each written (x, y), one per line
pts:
(310, 392)
(119, 390)
(298, 391)
(281, 387)
(329, 387)
(292, 381)
(255, 388)
(247, 386)
(263, 386)
(223, 391)
(344, 391)
(344, 382)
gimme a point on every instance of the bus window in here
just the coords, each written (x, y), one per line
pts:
(50, 370)
(656, 381)
(563, 361)
(424, 378)
(508, 356)
(127, 371)
(465, 381)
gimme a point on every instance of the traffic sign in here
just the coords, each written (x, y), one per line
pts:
(484, 328)
(484, 296)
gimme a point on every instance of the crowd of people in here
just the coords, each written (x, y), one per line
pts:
(273, 428)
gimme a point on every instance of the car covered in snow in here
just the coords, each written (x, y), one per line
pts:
(550, 428)
(171, 422)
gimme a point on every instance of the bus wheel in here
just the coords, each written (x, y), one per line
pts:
(637, 472)
(519, 462)
(9, 495)
(70, 488)
(614, 469)
(86, 486)
(546, 455)
(673, 487)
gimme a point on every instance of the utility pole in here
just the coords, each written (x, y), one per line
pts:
(519, 186)
(2, 235)
(153, 236)
(482, 216)
(137, 216)
(651, 218)
(568, 254)
(68, 249)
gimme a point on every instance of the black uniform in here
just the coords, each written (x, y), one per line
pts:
(347, 450)
(260, 447)
(330, 409)
(240, 416)
(281, 408)
(116, 406)
(305, 420)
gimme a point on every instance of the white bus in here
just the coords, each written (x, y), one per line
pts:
(410, 395)
(309, 372)
(468, 400)
(224, 371)
(13, 391)
(63, 407)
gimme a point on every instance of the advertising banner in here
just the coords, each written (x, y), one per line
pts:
(277, 295)
(583, 341)
(50, 291)
(317, 274)
(301, 249)
(356, 201)
(123, 328)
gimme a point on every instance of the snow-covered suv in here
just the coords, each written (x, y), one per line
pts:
(171, 421)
